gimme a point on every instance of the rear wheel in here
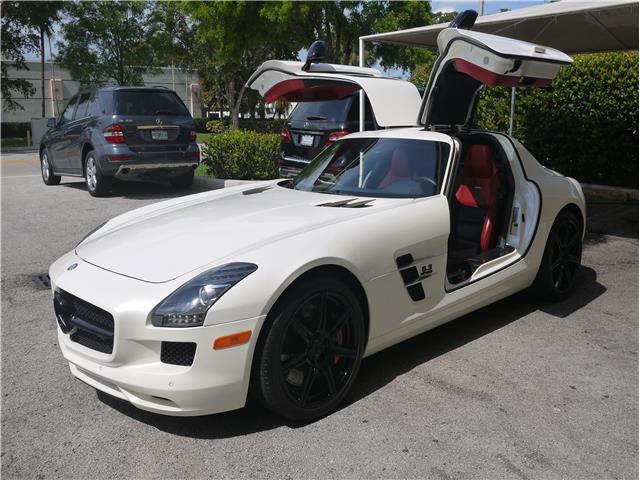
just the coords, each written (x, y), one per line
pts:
(182, 181)
(312, 351)
(46, 168)
(97, 184)
(561, 260)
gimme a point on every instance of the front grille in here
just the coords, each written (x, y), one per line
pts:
(178, 353)
(89, 325)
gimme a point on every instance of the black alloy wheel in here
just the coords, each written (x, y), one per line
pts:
(313, 350)
(562, 258)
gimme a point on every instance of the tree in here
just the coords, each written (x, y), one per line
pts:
(16, 40)
(41, 18)
(107, 41)
(172, 35)
(340, 24)
(231, 39)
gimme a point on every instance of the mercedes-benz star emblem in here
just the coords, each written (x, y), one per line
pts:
(159, 121)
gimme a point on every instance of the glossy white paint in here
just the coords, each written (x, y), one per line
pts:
(395, 103)
(136, 260)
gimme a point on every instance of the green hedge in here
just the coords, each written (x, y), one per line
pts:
(14, 129)
(242, 155)
(201, 124)
(585, 125)
(262, 126)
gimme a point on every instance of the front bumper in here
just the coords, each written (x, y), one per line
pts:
(216, 381)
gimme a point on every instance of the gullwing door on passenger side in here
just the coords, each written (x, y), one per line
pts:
(469, 60)
(395, 103)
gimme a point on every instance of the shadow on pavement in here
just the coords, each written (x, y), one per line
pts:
(379, 369)
(609, 218)
(153, 190)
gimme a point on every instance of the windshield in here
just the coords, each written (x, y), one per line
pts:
(377, 167)
(334, 111)
(144, 102)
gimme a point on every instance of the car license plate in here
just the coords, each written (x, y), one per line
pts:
(306, 140)
(159, 135)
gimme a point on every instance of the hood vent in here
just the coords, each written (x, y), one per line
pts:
(257, 190)
(349, 203)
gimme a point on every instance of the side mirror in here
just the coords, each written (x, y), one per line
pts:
(464, 20)
(51, 122)
(316, 54)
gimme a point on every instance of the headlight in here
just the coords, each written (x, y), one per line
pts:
(91, 233)
(188, 305)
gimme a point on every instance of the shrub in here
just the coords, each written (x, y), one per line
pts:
(201, 124)
(262, 126)
(14, 129)
(585, 125)
(242, 155)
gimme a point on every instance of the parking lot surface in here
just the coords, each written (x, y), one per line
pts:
(517, 390)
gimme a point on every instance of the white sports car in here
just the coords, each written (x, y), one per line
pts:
(282, 287)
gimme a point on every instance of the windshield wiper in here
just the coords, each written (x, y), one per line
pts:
(316, 117)
(164, 112)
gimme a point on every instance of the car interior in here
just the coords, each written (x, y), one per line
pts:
(480, 200)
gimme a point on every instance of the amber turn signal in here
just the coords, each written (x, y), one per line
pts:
(232, 340)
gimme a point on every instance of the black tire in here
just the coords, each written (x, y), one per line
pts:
(561, 260)
(304, 368)
(46, 169)
(182, 181)
(97, 184)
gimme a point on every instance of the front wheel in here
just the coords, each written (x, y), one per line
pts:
(561, 260)
(312, 350)
(46, 169)
(97, 184)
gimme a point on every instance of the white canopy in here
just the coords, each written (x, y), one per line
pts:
(573, 26)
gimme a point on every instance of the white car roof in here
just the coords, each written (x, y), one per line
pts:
(412, 133)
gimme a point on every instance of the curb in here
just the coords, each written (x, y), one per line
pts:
(607, 193)
(19, 150)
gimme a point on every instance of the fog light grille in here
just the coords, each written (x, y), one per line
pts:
(178, 353)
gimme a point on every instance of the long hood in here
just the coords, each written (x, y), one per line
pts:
(165, 243)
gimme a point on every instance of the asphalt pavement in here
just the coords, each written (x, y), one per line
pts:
(519, 389)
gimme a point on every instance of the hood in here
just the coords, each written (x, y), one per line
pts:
(164, 244)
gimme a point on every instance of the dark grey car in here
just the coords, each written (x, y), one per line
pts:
(128, 133)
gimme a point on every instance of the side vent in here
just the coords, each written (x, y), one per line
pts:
(257, 190)
(410, 277)
(348, 203)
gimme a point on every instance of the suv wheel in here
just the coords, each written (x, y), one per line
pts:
(182, 181)
(97, 184)
(46, 168)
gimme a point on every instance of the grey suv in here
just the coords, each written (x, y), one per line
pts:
(126, 133)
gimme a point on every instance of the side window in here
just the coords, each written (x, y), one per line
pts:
(83, 103)
(67, 114)
(94, 110)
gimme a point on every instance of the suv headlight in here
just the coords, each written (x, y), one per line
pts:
(188, 305)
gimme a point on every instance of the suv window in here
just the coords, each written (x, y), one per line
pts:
(144, 102)
(334, 111)
(83, 103)
(67, 114)
(94, 109)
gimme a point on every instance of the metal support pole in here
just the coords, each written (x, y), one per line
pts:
(361, 55)
(513, 108)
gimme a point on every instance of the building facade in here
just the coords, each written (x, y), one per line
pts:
(59, 87)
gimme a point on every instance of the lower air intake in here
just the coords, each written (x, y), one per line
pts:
(178, 353)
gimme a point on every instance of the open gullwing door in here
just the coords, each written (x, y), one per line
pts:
(395, 103)
(469, 60)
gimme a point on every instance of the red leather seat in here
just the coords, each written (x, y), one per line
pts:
(478, 188)
(399, 169)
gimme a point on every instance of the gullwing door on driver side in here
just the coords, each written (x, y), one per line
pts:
(395, 103)
(469, 60)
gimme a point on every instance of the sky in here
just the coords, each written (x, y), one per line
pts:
(490, 6)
